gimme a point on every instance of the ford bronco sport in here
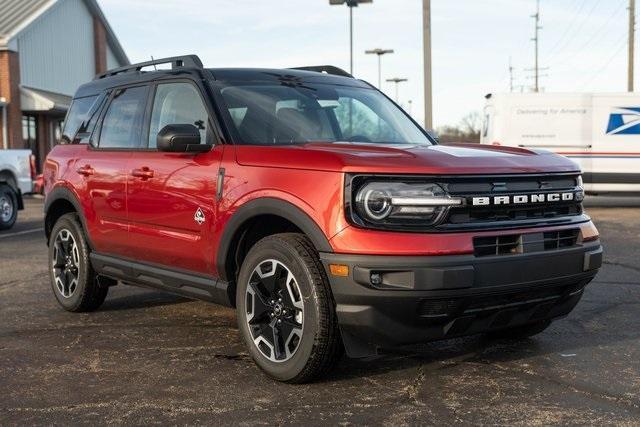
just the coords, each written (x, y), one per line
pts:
(315, 206)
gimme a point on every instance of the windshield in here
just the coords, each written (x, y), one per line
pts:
(271, 114)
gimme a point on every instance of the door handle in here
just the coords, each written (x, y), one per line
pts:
(144, 173)
(85, 170)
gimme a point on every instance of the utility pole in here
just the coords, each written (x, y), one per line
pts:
(397, 82)
(379, 52)
(426, 46)
(632, 34)
(510, 76)
(536, 85)
(351, 4)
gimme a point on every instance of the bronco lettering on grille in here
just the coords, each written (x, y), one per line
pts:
(523, 198)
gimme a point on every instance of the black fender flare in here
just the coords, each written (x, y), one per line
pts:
(63, 193)
(268, 206)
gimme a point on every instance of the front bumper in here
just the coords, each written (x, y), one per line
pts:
(424, 298)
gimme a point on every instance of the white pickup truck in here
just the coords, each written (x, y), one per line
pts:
(17, 171)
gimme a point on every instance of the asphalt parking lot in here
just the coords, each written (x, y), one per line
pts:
(147, 357)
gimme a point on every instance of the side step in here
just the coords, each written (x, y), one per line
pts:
(182, 283)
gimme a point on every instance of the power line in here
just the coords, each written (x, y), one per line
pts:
(595, 36)
(577, 31)
(606, 64)
(567, 28)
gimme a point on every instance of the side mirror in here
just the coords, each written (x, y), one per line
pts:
(180, 138)
(432, 133)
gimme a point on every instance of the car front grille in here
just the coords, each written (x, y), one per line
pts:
(469, 217)
(525, 243)
(529, 298)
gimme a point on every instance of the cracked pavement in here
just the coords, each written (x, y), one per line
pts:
(148, 358)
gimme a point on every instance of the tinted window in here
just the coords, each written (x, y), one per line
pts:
(78, 111)
(295, 114)
(177, 103)
(122, 124)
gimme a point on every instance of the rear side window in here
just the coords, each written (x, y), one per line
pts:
(78, 114)
(122, 123)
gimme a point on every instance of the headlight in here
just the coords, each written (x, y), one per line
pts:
(580, 193)
(400, 205)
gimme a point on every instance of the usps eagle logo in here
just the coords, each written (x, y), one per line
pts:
(624, 121)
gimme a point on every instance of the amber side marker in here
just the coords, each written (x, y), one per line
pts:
(339, 270)
(589, 232)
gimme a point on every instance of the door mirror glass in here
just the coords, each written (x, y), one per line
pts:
(180, 138)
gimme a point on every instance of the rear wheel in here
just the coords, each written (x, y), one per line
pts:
(285, 310)
(520, 332)
(8, 207)
(75, 284)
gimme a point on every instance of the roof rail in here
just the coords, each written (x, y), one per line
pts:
(328, 69)
(191, 61)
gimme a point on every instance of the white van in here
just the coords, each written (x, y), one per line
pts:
(599, 131)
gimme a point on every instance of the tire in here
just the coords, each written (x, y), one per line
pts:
(74, 282)
(302, 322)
(8, 207)
(520, 332)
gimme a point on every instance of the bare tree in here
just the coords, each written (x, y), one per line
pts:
(468, 130)
(471, 123)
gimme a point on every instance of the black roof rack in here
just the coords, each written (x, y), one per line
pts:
(329, 69)
(191, 61)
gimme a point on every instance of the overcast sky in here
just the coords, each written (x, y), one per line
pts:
(583, 42)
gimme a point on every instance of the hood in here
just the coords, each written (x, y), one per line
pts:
(454, 159)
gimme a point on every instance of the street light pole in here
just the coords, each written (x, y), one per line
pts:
(379, 52)
(397, 81)
(351, 39)
(351, 4)
(426, 45)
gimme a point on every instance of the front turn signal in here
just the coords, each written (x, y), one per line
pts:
(339, 270)
(589, 232)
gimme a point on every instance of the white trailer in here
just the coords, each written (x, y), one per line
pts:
(599, 131)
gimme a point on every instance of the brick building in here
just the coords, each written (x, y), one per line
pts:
(47, 49)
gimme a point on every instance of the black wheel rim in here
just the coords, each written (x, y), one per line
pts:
(275, 310)
(65, 263)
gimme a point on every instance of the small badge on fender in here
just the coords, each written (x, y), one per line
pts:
(199, 217)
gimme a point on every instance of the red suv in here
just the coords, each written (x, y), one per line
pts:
(315, 206)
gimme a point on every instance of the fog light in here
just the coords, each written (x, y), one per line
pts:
(376, 279)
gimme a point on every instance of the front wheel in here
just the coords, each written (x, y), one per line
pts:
(8, 207)
(286, 313)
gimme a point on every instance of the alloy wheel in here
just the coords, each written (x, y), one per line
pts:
(275, 310)
(66, 263)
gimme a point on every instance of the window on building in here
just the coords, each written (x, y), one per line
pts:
(122, 124)
(30, 135)
(177, 103)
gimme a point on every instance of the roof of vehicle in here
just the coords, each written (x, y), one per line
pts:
(140, 73)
